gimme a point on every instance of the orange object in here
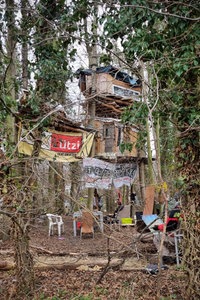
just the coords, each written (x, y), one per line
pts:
(87, 223)
(149, 200)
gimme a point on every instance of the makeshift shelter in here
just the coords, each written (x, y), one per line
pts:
(114, 90)
(63, 141)
(108, 91)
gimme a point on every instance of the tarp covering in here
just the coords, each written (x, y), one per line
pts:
(152, 220)
(58, 146)
(102, 174)
(114, 72)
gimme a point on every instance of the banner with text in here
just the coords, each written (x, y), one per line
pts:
(102, 174)
(58, 146)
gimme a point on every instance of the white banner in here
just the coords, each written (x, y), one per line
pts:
(97, 173)
(101, 174)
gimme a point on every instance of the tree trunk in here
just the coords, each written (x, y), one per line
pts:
(51, 190)
(149, 151)
(93, 63)
(11, 71)
(23, 259)
(142, 178)
(59, 187)
(24, 44)
(75, 176)
(188, 153)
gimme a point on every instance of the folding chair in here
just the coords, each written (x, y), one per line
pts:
(178, 236)
(55, 220)
(152, 220)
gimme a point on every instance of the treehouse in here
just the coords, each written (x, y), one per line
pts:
(108, 91)
(112, 90)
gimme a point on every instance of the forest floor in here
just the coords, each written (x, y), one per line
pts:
(72, 268)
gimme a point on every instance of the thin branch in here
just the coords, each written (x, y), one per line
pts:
(107, 267)
(160, 12)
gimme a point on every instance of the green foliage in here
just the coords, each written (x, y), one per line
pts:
(53, 37)
(34, 103)
(101, 291)
(125, 146)
(136, 114)
(105, 59)
(167, 38)
(154, 36)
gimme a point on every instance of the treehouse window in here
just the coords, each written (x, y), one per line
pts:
(125, 92)
(109, 132)
(119, 136)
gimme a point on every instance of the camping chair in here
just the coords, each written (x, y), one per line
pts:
(87, 224)
(178, 236)
(55, 220)
(152, 220)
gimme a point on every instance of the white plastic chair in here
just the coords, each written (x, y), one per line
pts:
(55, 220)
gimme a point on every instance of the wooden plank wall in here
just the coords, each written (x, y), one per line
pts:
(105, 84)
(130, 136)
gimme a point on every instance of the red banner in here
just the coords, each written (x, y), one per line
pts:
(66, 143)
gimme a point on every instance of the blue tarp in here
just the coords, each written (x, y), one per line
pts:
(114, 72)
(148, 219)
(151, 220)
